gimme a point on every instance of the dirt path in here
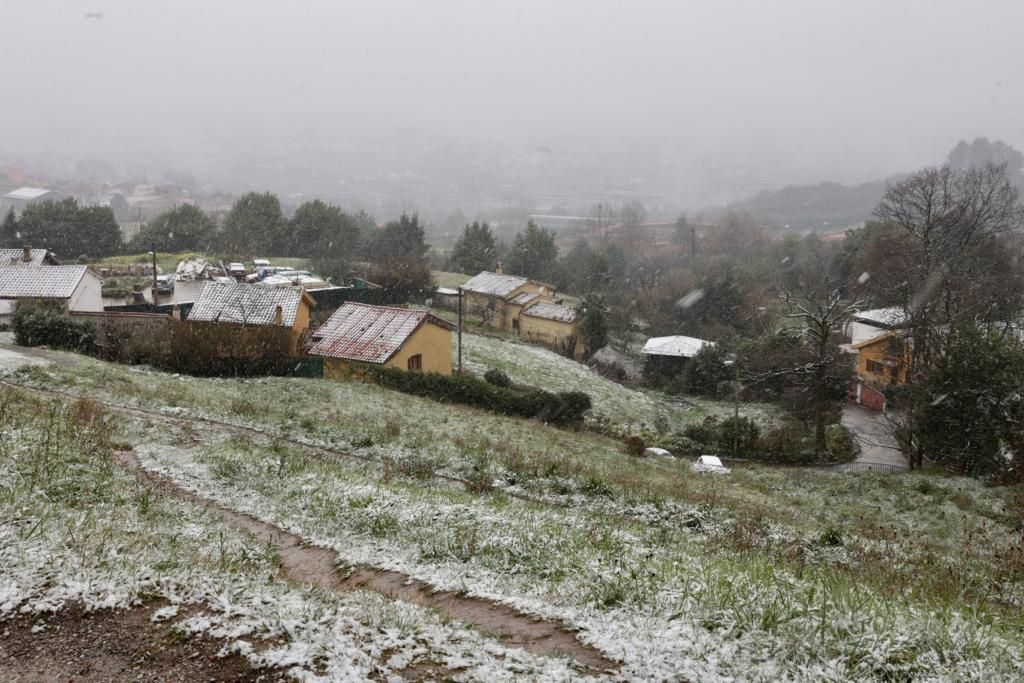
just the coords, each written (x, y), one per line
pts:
(114, 645)
(316, 566)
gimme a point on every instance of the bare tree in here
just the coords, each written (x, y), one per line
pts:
(821, 319)
(953, 221)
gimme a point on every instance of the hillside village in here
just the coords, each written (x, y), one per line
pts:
(478, 471)
(512, 342)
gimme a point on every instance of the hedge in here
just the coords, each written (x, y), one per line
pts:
(48, 325)
(557, 408)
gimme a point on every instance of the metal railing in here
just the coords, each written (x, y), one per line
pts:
(891, 468)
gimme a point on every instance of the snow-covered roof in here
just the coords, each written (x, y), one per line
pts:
(51, 282)
(27, 193)
(246, 304)
(370, 334)
(552, 312)
(893, 316)
(678, 345)
(494, 284)
(16, 257)
(523, 298)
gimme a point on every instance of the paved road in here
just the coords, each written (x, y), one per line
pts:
(12, 360)
(13, 356)
(874, 435)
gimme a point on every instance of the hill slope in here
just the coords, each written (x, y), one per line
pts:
(764, 574)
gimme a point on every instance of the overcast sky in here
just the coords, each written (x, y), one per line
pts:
(794, 91)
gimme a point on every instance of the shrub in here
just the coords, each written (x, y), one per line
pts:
(634, 445)
(225, 350)
(681, 445)
(840, 444)
(738, 435)
(42, 324)
(787, 443)
(707, 373)
(497, 378)
(705, 432)
(557, 408)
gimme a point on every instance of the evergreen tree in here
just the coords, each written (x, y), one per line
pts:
(182, 228)
(323, 231)
(970, 405)
(70, 230)
(401, 240)
(534, 253)
(254, 227)
(475, 250)
(9, 236)
(97, 232)
(594, 327)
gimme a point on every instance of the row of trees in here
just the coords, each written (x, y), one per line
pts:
(255, 226)
(65, 227)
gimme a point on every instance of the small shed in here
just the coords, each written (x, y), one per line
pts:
(401, 338)
(245, 304)
(667, 356)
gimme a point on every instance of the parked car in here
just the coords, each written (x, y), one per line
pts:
(710, 463)
(237, 270)
(165, 284)
(260, 263)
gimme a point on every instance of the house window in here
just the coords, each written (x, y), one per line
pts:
(876, 368)
(416, 362)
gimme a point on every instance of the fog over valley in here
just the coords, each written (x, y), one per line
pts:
(444, 105)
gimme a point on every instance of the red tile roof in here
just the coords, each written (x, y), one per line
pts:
(370, 334)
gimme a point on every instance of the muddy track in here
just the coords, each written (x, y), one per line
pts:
(316, 566)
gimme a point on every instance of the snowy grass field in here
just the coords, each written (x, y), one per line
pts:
(767, 574)
(538, 366)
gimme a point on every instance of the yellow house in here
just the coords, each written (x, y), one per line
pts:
(554, 326)
(248, 304)
(359, 334)
(524, 307)
(883, 360)
(498, 299)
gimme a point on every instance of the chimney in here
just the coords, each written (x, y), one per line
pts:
(499, 269)
(278, 315)
(26, 254)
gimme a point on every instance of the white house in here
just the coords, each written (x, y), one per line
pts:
(33, 275)
(23, 196)
(869, 324)
(667, 356)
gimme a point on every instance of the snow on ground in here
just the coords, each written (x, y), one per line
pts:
(768, 574)
(655, 596)
(538, 366)
(81, 530)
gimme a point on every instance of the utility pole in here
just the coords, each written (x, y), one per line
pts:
(736, 413)
(156, 291)
(460, 330)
